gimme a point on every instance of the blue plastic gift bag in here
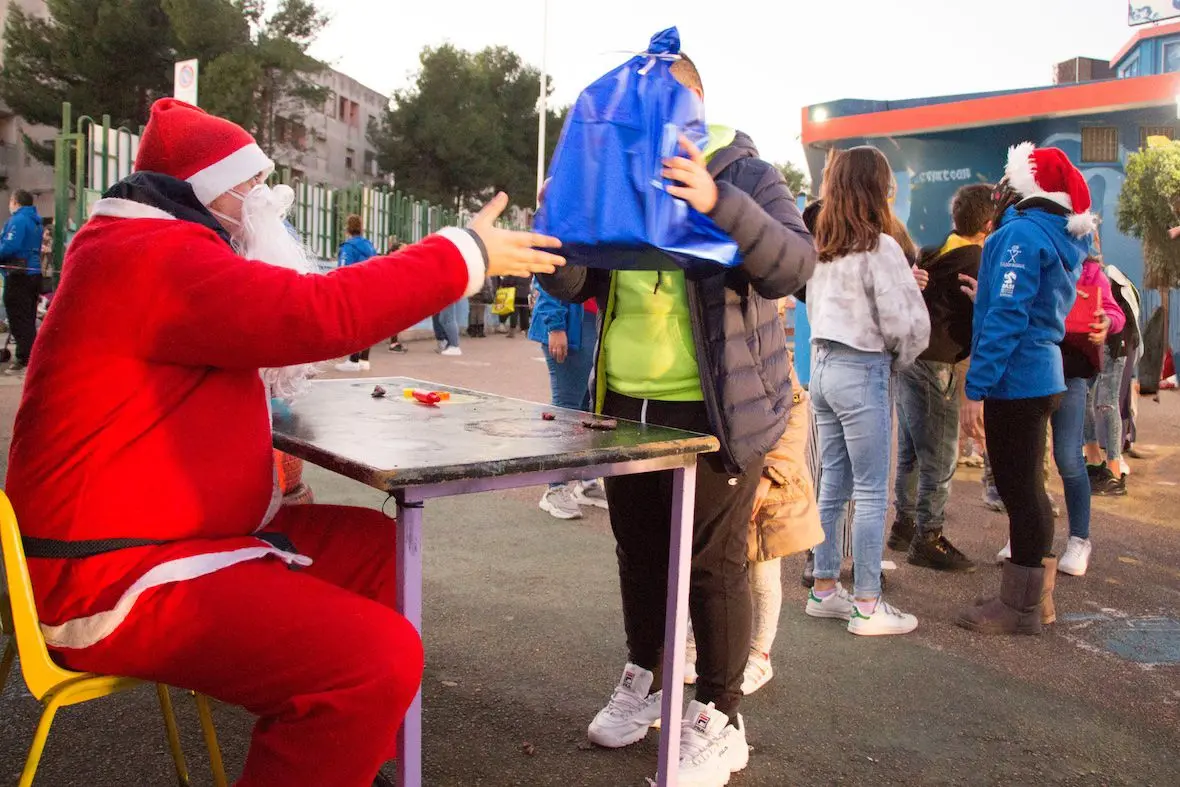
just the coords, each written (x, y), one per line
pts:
(606, 197)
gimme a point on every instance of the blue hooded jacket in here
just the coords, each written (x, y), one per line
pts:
(20, 241)
(355, 250)
(550, 314)
(1027, 285)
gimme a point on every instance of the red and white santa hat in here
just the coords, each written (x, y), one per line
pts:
(211, 153)
(1048, 173)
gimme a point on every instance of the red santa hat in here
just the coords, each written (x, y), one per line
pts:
(211, 153)
(1048, 173)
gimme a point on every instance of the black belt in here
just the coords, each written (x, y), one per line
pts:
(56, 549)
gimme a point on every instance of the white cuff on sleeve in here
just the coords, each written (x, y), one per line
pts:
(472, 255)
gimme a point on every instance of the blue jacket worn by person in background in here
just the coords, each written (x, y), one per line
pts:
(1027, 285)
(550, 314)
(354, 250)
(20, 242)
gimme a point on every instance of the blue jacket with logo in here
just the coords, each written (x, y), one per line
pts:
(355, 250)
(20, 241)
(1027, 285)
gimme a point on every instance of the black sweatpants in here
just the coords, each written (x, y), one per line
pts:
(363, 355)
(21, 293)
(719, 596)
(1016, 447)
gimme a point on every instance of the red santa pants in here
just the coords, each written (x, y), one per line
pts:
(318, 654)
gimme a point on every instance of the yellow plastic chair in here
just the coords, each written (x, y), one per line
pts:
(55, 687)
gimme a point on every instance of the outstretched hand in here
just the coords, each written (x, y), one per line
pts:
(513, 253)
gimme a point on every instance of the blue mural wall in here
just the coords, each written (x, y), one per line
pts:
(930, 168)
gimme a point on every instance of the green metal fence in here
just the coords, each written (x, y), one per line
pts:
(91, 156)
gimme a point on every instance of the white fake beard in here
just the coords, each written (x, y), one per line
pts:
(265, 237)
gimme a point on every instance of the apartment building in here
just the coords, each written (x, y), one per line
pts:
(330, 145)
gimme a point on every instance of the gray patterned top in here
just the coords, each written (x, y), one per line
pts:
(870, 301)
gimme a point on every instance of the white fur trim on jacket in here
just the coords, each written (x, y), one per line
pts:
(472, 255)
(233, 170)
(127, 209)
(87, 631)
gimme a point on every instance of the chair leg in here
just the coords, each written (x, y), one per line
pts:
(173, 735)
(38, 745)
(215, 764)
(6, 662)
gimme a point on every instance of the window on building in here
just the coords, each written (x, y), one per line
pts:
(349, 159)
(343, 108)
(370, 163)
(1129, 69)
(1100, 143)
(332, 100)
(354, 114)
(1171, 58)
(1155, 131)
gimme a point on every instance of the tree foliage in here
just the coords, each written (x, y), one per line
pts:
(1149, 205)
(796, 178)
(115, 57)
(466, 127)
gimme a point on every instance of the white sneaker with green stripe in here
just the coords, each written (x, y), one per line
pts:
(838, 605)
(883, 621)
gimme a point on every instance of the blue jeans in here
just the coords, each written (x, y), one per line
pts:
(1068, 427)
(850, 399)
(569, 381)
(1104, 420)
(446, 325)
(927, 442)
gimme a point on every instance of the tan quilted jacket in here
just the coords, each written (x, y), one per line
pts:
(788, 521)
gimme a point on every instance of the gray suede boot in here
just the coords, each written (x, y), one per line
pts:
(1017, 610)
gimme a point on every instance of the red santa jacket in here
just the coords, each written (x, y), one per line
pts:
(144, 415)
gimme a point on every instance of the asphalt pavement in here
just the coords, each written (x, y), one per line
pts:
(524, 643)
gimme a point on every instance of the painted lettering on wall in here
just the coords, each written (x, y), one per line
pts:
(943, 176)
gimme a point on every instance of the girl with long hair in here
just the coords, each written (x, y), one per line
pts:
(868, 318)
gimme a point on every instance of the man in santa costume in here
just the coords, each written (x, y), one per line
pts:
(141, 467)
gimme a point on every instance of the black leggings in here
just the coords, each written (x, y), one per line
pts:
(1016, 447)
(719, 595)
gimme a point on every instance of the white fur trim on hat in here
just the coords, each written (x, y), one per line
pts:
(236, 168)
(1021, 171)
(1082, 224)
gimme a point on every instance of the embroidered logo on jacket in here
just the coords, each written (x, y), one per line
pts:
(1013, 258)
(1009, 285)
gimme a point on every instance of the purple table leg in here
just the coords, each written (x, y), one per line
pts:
(684, 483)
(409, 602)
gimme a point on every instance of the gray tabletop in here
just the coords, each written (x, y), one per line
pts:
(394, 442)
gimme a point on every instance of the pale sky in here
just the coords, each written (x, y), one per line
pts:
(761, 61)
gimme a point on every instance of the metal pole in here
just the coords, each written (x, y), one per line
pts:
(542, 110)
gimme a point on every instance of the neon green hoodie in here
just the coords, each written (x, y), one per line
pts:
(648, 350)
